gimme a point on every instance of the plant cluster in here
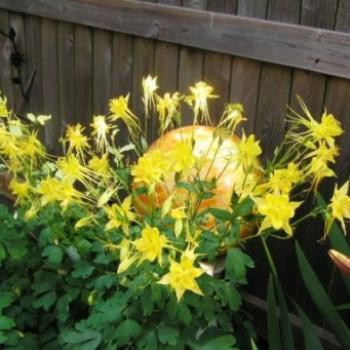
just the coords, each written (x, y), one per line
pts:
(105, 252)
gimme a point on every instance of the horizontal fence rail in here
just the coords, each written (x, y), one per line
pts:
(318, 50)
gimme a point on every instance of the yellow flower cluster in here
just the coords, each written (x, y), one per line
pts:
(97, 174)
(339, 206)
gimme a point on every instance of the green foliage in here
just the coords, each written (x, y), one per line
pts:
(59, 290)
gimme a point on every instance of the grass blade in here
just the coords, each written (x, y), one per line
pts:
(286, 327)
(321, 300)
(272, 318)
(311, 340)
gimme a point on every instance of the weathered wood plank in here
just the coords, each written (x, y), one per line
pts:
(17, 23)
(245, 79)
(49, 62)
(274, 91)
(122, 73)
(33, 58)
(245, 73)
(337, 101)
(311, 87)
(143, 59)
(102, 70)
(66, 72)
(6, 85)
(217, 68)
(122, 64)
(281, 43)
(166, 59)
(275, 86)
(83, 74)
(190, 64)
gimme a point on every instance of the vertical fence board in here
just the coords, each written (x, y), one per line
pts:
(102, 70)
(5, 52)
(166, 64)
(83, 74)
(245, 78)
(122, 72)
(230, 6)
(66, 70)
(338, 98)
(190, 63)
(143, 65)
(122, 64)
(143, 60)
(337, 101)
(274, 91)
(217, 71)
(33, 59)
(17, 23)
(166, 59)
(245, 73)
(311, 87)
(50, 82)
(275, 85)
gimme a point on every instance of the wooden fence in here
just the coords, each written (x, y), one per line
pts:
(86, 51)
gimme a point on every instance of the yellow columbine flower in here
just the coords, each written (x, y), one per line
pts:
(68, 194)
(178, 214)
(100, 129)
(319, 170)
(182, 276)
(182, 157)
(120, 215)
(200, 93)
(31, 147)
(86, 220)
(76, 139)
(249, 150)
(340, 205)
(167, 107)
(119, 109)
(327, 129)
(150, 168)
(100, 165)
(33, 210)
(149, 86)
(127, 257)
(71, 168)
(277, 211)
(20, 189)
(3, 107)
(107, 195)
(151, 244)
(282, 180)
(10, 148)
(232, 117)
(325, 152)
(52, 189)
